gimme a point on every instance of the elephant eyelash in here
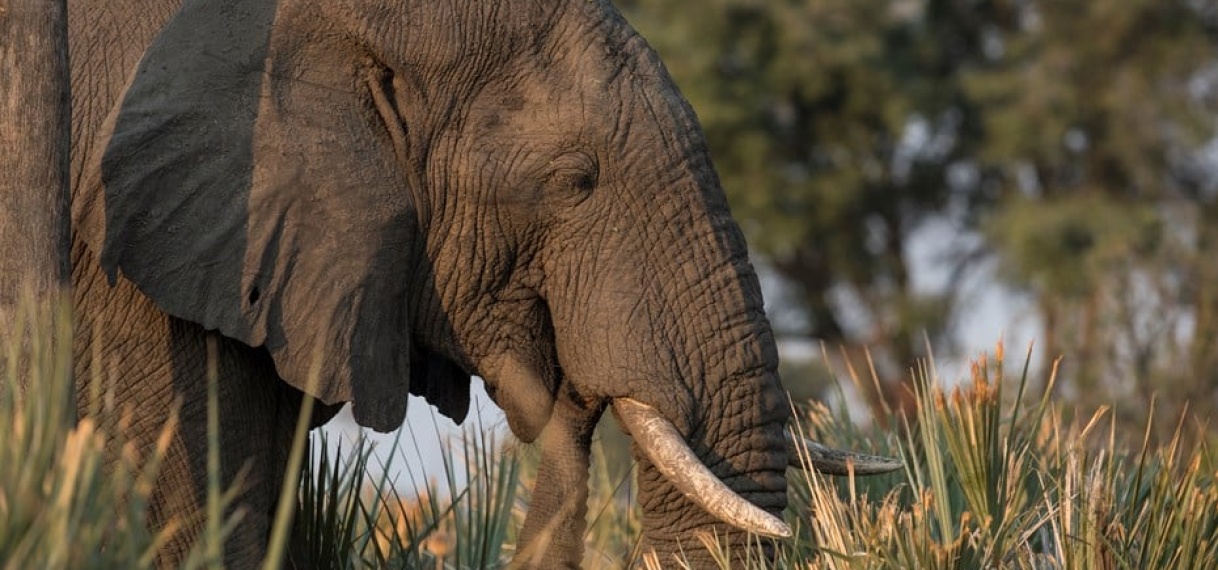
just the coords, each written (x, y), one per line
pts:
(572, 179)
(575, 171)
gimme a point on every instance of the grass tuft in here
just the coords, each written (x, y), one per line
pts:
(997, 480)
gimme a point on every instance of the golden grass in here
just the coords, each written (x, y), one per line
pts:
(997, 476)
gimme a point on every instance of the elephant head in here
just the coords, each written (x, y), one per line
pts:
(422, 191)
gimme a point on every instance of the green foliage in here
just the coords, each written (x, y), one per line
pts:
(489, 481)
(350, 519)
(832, 126)
(1101, 208)
(332, 523)
(1060, 248)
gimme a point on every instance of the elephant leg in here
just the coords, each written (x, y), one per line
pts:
(257, 416)
(552, 535)
(143, 363)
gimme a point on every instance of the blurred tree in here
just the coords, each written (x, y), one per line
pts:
(1069, 136)
(1095, 119)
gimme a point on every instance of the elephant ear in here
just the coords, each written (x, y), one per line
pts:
(442, 383)
(267, 200)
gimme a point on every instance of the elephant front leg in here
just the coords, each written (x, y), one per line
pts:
(553, 532)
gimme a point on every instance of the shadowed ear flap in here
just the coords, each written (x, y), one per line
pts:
(443, 383)
(253, 188)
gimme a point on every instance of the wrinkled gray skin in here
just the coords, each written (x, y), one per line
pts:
(420, 191)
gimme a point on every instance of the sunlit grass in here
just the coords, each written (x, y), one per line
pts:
(62, 503)
(997, 476)
(1001, 480)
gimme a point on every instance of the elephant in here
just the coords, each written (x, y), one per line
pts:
(357, 200)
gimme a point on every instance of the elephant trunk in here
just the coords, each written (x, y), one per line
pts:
(672, 334)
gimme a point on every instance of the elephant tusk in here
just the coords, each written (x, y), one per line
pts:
(667, 450)
(835, 461)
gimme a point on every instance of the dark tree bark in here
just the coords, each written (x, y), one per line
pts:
(34, 147)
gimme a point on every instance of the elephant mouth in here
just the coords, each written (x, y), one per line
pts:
(663, 444)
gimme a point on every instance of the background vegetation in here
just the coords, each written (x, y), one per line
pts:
(1068, 146)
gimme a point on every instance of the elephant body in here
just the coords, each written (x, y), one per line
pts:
(120, 336)
(392, 196)
(146, 362)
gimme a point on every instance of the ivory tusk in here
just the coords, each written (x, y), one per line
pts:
(667, 450)
(835, 461)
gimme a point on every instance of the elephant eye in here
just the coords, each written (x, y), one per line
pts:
(574, 172)
(580, 180)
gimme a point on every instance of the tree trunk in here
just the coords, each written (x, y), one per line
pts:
(35, 121)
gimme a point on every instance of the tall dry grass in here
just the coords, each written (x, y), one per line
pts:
(65, 502)
(997, 476)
